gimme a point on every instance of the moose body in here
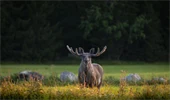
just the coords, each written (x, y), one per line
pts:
(89, 74)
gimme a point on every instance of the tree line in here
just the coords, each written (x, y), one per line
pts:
(38, 31)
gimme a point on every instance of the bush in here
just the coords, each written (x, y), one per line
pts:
(110, 80)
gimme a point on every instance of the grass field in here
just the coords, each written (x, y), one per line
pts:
(145, 70)
(109, 91)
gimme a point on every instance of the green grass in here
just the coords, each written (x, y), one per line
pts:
(46, 70)
(145, 70)
(112, 88)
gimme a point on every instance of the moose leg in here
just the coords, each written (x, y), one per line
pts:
(100, 83)
(82, 79)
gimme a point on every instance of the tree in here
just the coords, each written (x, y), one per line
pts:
(31, 35)
(154, 42)
(116, 25)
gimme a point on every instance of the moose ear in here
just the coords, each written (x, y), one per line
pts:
(91, 51)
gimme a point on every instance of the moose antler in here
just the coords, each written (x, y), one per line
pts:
(91, 51)
(99, 52)
(81, 50)
(76, 51)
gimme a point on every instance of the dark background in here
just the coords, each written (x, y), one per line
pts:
(38, 31)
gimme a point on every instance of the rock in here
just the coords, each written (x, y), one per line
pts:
(159, 79)
(162, 80)
(68, 76)
(133, 78)
(28, 75)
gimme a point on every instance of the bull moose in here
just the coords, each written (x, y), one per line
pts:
(89, 74)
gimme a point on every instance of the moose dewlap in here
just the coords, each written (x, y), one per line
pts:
(89, 74)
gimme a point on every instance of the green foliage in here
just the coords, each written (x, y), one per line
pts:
(116, 29)
(138, 27)
(107, 21)
(31, 32)
(39, 31)
(110, 80)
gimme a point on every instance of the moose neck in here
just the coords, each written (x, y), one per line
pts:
(87, 65)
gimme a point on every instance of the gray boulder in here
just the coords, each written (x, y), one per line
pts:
(68, 77)
(133, 78)
(159, 79)
(29, 75)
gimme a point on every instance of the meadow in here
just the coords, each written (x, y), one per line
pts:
(112, 88)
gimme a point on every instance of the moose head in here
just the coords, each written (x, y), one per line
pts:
(89, 74)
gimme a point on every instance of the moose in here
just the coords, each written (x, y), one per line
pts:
(89, 74)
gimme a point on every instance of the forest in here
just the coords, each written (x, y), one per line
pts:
(38, 31)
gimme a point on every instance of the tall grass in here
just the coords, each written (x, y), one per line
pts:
(53, 88)
(113, 87)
